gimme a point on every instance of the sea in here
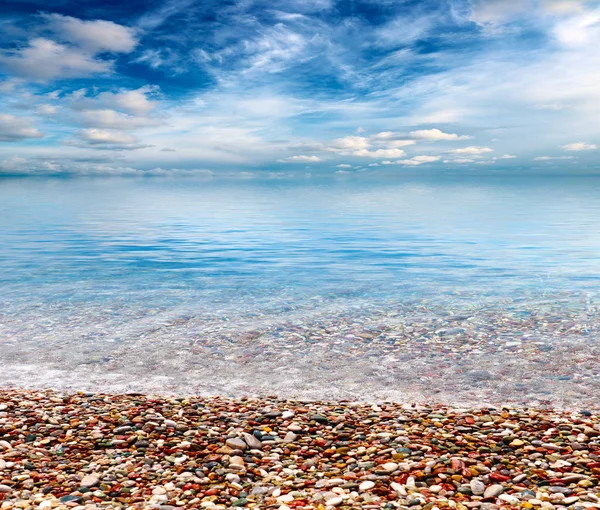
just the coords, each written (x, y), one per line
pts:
(469, 290)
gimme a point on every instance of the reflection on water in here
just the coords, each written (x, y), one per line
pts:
(134, 262)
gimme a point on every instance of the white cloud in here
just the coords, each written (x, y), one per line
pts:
(418, 160)
(274, 49)
(578, 30)
(399, 143)
(99, 136)
(403, 30)
(436, 134)
(380, 153)
(134, 101)
(155, 18)
(391, 139)
(95, 36)
(350, 143)
(111, 119)
(14, 128)
(44, 59)
(359, 146)
(300, 159)
(459, 160)
(497, 11)
(553, 158)
(562, 6)
(579, 146)
(15, 164)
(506, 156)
(472, 150)
(72, 52)
(344, 165)
(385, 135)
(47, 109)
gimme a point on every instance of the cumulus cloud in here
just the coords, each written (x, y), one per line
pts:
(343, 165)
(579, 146)
(73, 51)
(391, 139)
(459, 161)
(472, 150)
(95, 36)
(435, 134)
(360, 146)
(135, 101)
(99, 136)
(394, 144)
(112, 119)
(553, 158)
(14, 164)
(47, 109)
(380, 153)
(13, 129)
(44, 59)
(350, 143)
(418, 160)
(300, 159)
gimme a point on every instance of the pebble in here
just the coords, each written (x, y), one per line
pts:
(252, 441)
(493, 490)
(290, 437)
(477, 487)
(236, 463)
(89, 481)
(365, 486)
(236, 443)
(390, 467)
(391, 455)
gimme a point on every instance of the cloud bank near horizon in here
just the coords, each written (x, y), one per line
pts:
(347, 86)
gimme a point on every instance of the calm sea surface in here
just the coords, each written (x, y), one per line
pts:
(467, 289)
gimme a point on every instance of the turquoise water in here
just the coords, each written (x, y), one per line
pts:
(101, 264)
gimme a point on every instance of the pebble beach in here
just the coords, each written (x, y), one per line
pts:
(89, 451)
(304, 343)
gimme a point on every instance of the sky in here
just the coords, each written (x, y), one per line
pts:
(170, 87)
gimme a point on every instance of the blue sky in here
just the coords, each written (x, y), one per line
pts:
(242, 86)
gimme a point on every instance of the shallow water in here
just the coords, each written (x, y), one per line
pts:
(465, 289)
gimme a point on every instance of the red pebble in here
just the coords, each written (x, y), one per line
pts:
(497, 477)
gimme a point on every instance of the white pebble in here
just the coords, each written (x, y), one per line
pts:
(365, 486)
(390, 467)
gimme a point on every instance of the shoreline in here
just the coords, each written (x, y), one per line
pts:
(535, 354)
(135, 451)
